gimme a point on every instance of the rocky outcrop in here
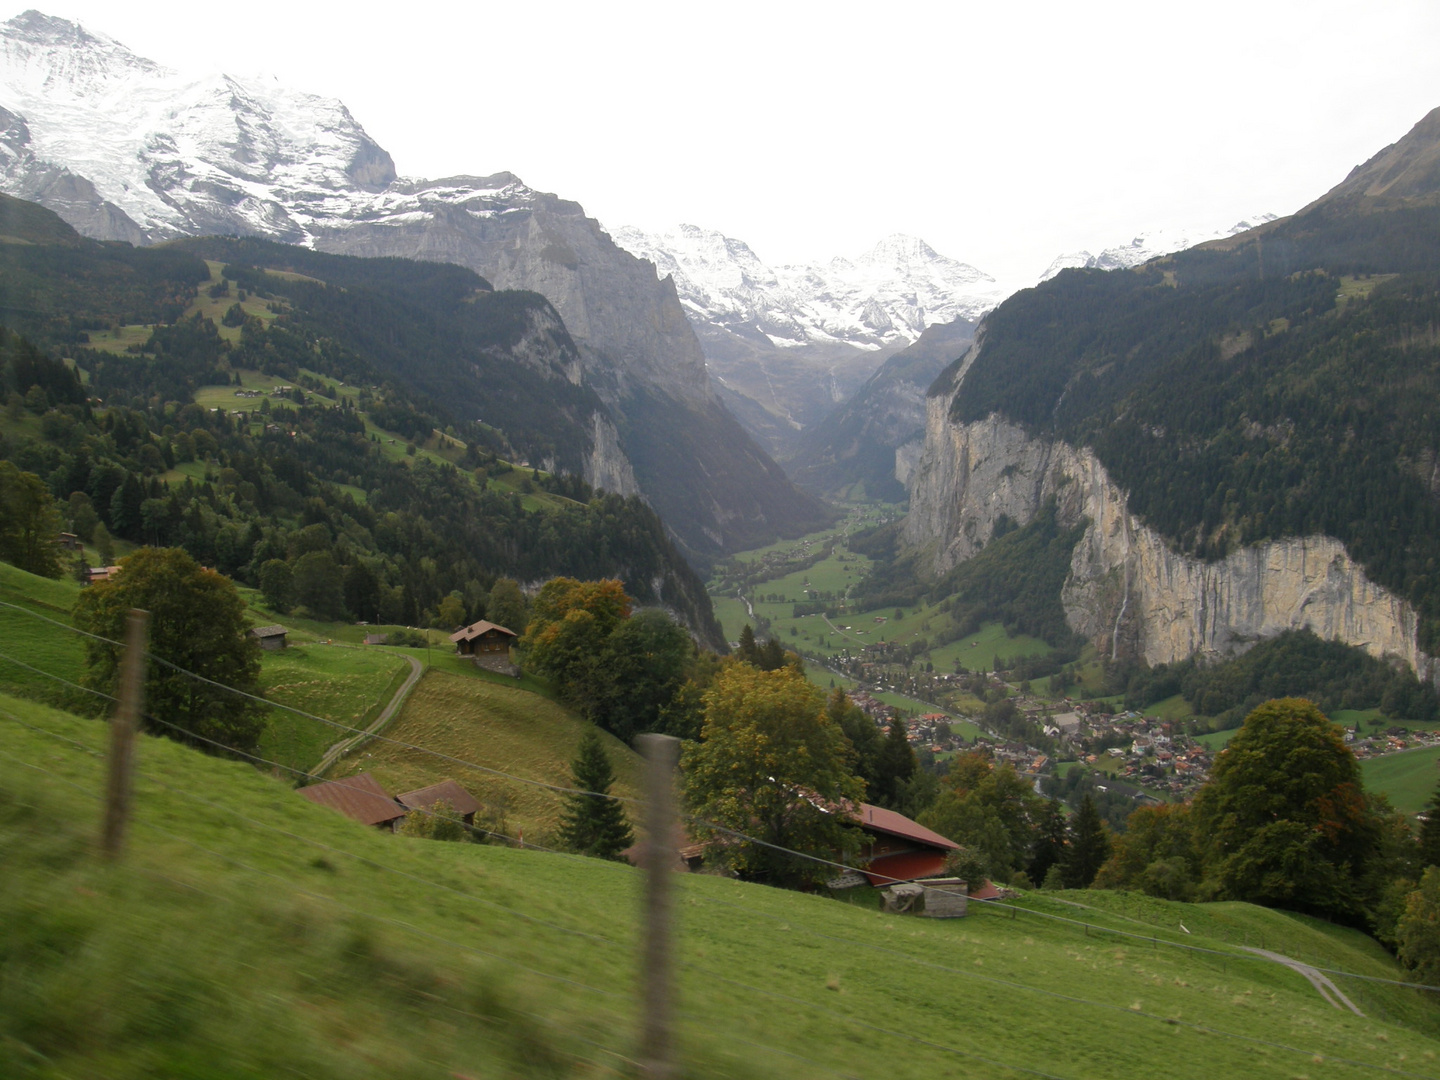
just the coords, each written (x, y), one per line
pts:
(1127, 590)
(607, 468)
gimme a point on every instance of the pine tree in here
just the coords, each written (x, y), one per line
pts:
(1089, 846)
(895, 765)
(593, 824)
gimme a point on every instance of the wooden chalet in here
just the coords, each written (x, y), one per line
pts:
(96, 574)
(270, 637)
(360, 798)
(483, 637)
(898, 849)
(426, 798)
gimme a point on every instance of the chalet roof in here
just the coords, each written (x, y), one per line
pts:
(448, 790)
(359, 797)
(469, 633)
(889, 822)
(269, 631)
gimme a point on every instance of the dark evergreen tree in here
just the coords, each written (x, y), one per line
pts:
(748, 650)
(895, 766)
(1049, 846)
(1089, 846)
(592, 823)
(865, 738)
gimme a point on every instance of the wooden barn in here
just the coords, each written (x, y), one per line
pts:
(270, 637)
(460, 800)
(899, 849)
(483, 637)
(360, 798)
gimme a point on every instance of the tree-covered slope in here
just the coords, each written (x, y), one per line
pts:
(311, 389)
(1284, 382)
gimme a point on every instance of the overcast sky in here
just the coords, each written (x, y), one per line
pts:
(1004, 133)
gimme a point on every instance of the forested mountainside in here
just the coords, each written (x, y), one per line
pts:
(1282, 383)
(342, 422)
(125, 149)
(856, 444)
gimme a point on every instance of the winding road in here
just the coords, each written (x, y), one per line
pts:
(386, 714)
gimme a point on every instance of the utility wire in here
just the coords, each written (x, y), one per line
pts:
(704, 823)
(710, 974)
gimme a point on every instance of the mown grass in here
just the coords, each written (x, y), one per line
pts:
(349, 685)
(38, 643)
(228, 944)
(1409, 778)
(501, 727)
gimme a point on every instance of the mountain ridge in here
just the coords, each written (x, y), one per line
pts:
(126, 150)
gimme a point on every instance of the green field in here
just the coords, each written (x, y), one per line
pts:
(38, 643)
(250, 934)
(349, 685)
(501, 727)
(1409, 778)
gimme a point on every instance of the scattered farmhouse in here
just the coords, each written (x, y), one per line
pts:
(898, 849)
(483, 637)
(270, 637)
(446, 791)
(360, 798)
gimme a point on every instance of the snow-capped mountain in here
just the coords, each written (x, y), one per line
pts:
(125, 149)
(884, 297)
(1150, 245)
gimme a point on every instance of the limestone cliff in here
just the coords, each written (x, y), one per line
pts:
(1128, 591)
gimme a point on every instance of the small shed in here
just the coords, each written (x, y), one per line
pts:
(463, 803)
(483, 637)
(270, 637)
(360, 798)
(935, 898)
(95, 574)
(376, 639)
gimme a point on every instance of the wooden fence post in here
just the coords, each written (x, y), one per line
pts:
(122, 736)
(658, 978)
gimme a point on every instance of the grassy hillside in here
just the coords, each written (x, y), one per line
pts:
(249, 933)
(1409, 778)
(502, 727)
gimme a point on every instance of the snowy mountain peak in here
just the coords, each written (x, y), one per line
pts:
(1149, 245)
(65, 57)
(883, 297)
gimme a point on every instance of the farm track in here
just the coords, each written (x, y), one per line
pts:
(386, 715)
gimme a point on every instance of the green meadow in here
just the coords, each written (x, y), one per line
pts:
(248, 933)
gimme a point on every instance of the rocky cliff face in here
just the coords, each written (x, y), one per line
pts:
(1127, 590)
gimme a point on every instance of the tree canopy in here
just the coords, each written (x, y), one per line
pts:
(197, 622)
(1284, 820)
(772, 764)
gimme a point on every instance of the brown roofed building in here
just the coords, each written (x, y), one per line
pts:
(483, 637)
(460, 800)
(359, 797)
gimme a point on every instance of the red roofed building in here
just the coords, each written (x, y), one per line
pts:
(899, 849)
(359, 797)
(460, 800)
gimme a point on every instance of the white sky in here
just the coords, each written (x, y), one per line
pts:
(1004, 133)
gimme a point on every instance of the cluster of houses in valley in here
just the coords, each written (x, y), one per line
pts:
(1390, 741)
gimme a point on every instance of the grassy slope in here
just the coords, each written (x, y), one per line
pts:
(349, 685)
(1409, 777)
(495, 725)
(275, 957)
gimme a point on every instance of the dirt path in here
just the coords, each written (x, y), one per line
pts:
(386, 715)
(1328, 990)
